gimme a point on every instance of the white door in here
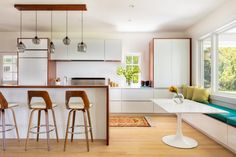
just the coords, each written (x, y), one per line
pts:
(113, 49)
(180, 62)
(61, 50)
(33, 71)
(162, 63)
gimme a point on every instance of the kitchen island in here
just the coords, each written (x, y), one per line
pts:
(98, 96)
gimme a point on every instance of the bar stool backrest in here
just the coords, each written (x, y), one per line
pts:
(79, 94)
(40, 94)
(3, 102)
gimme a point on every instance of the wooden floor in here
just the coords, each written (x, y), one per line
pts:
(133, 142)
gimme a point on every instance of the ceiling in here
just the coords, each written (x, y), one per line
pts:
(112, 15)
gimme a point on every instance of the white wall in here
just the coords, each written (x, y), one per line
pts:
(220, 17)
(131, 43)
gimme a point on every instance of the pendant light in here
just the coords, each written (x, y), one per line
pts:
(52, 46)
(82, 47)
(66, 40)
(20, 45)
(36, 40)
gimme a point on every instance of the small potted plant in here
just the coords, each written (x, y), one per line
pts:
(58, 81)
(178, 97)
(128, 73)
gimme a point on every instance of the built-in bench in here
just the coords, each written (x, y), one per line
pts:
(229, 118)
(219, 127)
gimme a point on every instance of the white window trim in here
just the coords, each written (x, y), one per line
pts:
(216, 94)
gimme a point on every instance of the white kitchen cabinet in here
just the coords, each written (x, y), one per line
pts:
(61, 50)
(95, 50)
(115, 94)
(171, 62)
(33, 71)
(30, 46)
(142, 94)
(113, 50)
(30, 53)
(137, 107)
(115, 107)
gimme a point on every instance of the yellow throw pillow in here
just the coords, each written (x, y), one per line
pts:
(190, 90)
(184, 91)
(201, 95)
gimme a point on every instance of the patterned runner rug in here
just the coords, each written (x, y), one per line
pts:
(128, 121)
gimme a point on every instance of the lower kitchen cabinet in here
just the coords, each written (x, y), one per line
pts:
(137, 107)
(115, 107)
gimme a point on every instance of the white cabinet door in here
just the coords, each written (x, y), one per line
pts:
(30, 46)
(61, 52)
(113, 49)
(33, 71)
(180, 62)
(115, 106)
(29, 53)
(137, 94)
(137, 107)
(115, 94)
(162, 63)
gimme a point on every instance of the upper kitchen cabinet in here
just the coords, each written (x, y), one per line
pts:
(113, 50)
(170, 62)
(61, 50)
(95, 50)
(30, 46)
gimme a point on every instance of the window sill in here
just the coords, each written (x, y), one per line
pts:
(224, 97)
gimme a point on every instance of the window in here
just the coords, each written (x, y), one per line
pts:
(227, 61)
(9, 68)
(132, 61)
(219, 61)
(206, 52)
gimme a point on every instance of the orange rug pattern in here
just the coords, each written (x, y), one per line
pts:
(128, 121)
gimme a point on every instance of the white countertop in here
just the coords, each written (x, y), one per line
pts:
(188, 106)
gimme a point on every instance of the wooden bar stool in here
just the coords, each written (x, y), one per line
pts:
(4, 105)
(77, 106)
(44, 105)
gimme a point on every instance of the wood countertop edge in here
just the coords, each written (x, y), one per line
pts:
(56, 86)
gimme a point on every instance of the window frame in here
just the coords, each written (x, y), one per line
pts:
(12, 81)
(214, 60)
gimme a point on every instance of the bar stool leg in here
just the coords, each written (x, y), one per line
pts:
(90, 125)
(14, 118)
(73, 125)
(86, 129)
(3, 131)
(55, 124)
(68, 124)
(47, 128)
(29, 127)
(38, 127)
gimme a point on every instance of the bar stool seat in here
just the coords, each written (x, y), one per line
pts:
(11, 105)
(40, 105)
(77, 105)
(4, 106)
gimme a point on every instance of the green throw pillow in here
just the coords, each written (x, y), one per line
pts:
(190, 90)
(201, 95)
(184, 91)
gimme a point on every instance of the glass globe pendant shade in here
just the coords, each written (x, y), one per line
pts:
(66, 40)
(20, 47)
(36, 40)
(52, 47)
(82, 47)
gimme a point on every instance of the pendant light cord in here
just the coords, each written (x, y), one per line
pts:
(20, 25)
(82, 29)
(36, 22)
(66, 23)
(51, 25)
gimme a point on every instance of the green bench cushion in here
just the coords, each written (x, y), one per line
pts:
(225, 116)
(232, 121)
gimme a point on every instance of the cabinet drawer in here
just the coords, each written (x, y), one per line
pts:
(137, 94)
(115, 94)
(115, 106)
(137, 107)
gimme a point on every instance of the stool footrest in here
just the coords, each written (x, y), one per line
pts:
(9, 127)
(42, 132)
(81, 132)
